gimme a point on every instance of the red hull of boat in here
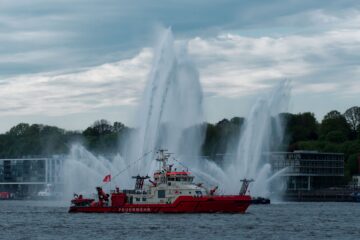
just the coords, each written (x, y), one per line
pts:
(184, 204)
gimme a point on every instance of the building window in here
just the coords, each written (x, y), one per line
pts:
(161, 193)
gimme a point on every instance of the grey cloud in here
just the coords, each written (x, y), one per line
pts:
(112, 84)
(94, 32)
(235, 66)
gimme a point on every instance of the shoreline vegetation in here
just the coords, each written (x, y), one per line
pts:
(336, 132)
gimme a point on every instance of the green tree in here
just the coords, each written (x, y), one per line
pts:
(34, 140)
(118, 127)
(300, 127)
(103, 137)
(336, 137)
(239, 121)
(19, 129)
(211, 140)
(352, 116)
(352, 164)
(334, 121)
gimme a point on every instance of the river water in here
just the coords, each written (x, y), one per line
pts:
(50, 220)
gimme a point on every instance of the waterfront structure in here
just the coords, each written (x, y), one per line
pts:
(25, 177)
(356, 180)
(309, 170)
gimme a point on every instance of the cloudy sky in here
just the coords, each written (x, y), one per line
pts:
(69, 63)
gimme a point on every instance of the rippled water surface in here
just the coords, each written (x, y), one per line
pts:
(50, 220)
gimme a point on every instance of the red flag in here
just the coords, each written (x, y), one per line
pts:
(107, 178)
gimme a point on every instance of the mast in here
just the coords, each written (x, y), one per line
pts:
(162, 158)
(244, 186)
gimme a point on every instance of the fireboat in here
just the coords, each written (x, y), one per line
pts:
(169, 191)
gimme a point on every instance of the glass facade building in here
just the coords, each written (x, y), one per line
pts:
(308, 170)
(27, 176)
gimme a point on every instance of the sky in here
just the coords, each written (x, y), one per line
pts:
(69, 63)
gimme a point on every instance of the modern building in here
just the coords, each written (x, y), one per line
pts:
(356, 177)
(309, 170)
(356, 180)
(27, 176)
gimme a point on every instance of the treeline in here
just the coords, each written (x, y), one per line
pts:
(23, 140)
(337, 132)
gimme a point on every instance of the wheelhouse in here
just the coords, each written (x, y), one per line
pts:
(179, 177)
(166, 177)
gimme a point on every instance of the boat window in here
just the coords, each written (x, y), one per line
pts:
(144, 199)
(161, 193)
(138, 199)
(177, 179)
(169, 183)
(198, 192)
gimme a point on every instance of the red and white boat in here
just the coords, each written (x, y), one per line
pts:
(169, 192)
